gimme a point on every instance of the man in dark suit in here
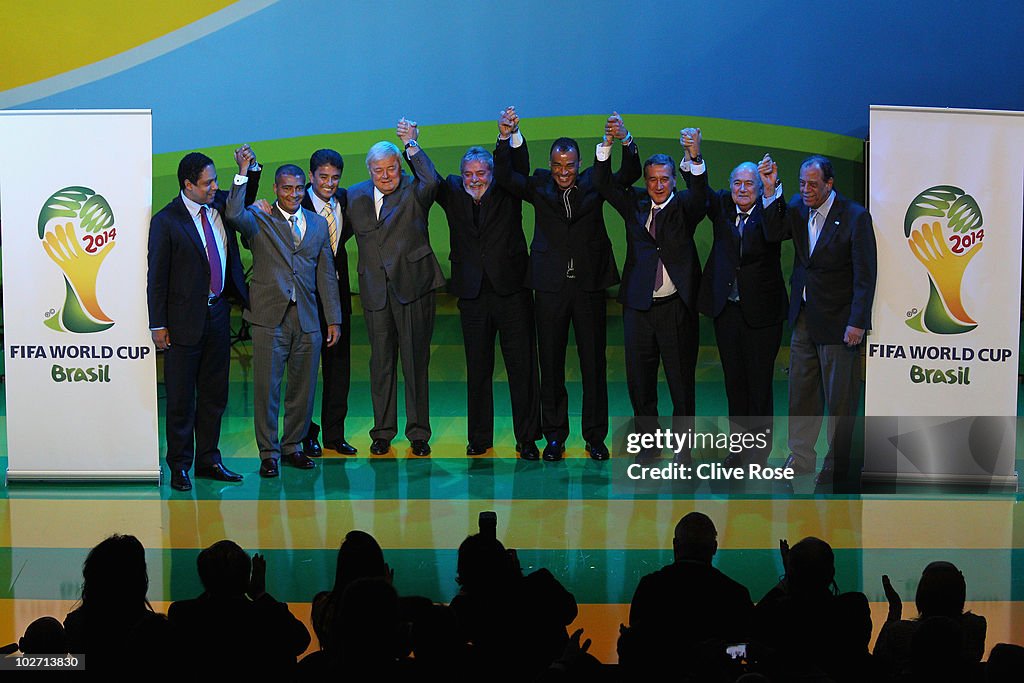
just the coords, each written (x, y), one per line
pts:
(831, 293)
(571, 266)
(398, 274)
(660, 276)
(489, 258)
(194, 267)
(235, 627)
(324, 197)
(684, 604)
(742, 290)
(293, 266)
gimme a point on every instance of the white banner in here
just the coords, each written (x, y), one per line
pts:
(75, 204)
(946, 195)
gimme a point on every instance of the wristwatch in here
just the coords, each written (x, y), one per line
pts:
(411, 143)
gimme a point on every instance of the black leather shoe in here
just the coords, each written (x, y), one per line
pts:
(474, 449)
(733, 460)
(311, 448)
(420, 447)
(268, 468)
(798, 466)
(380, 447)
(827, 474)
(299, 460)
(553, 451)
(217, 472)
(528, 451)
(598, 451)
(180, 480)
(341, 446)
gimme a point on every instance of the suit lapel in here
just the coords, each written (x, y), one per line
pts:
(188, 226)
(831, 225)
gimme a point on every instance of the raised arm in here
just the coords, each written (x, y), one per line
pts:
(426, 179)
(776, 228)
(511, 156)
(235, 211)
(614, 191)
(694, 199)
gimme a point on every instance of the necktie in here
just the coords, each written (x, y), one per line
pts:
(740, 226)
(812, 231)
(734, 293)
(332, 226)
(212, 255)
(652, 227)
(296, 235)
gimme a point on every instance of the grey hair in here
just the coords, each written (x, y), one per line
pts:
(381, 150)
(476, 154)
(747, 166)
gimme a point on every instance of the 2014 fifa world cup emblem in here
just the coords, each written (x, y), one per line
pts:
(77, 232)
(943, 227)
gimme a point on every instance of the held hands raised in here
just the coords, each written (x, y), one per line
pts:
(508, 122)
(244, 157)
(614, 129)
(407, 130)
(690, 139)
(769, 172)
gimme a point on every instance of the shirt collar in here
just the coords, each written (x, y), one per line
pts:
(318, 204)
(827, 206)
(192, 207)
(664, 203)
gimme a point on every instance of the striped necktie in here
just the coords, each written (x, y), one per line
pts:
(332, 226)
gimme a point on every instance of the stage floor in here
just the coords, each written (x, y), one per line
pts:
(579, 518)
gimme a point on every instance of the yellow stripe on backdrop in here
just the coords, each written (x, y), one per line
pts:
(539, 524)
(45, 39)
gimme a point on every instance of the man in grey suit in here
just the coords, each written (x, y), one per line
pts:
(398, 274)
(292, 264)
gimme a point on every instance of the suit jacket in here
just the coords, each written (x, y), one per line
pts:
(757, 267)
(178, 280)
(839, 276)
(253, 636)
(395, 248)
(674, 245)
(279, 269)
(557, 238)
(495, 246)
(341, 258)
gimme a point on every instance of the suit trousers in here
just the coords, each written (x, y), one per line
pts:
(273, 349)
(196, 380)
(483, 318)
(820, 375)
(404, 329)
(748, 362)
(587, 313)
(336, 368)
(666, 334)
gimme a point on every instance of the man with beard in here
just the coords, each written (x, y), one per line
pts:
(489, 259)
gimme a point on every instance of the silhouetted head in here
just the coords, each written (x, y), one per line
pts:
(695, 538)
(811, 567)
(942, 591)
(115, 576)
(224, 569)
(45, 635)
(483, 564)
(359, 557)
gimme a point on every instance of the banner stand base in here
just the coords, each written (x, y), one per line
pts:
(1002, 482)
(84, 476)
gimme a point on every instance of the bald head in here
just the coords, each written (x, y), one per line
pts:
(696, 538)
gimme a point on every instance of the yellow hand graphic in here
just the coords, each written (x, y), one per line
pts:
(80, 268)
(945, 268)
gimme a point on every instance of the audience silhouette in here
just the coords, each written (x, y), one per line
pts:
(689, 622)
(114, 624)
(235, 626)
